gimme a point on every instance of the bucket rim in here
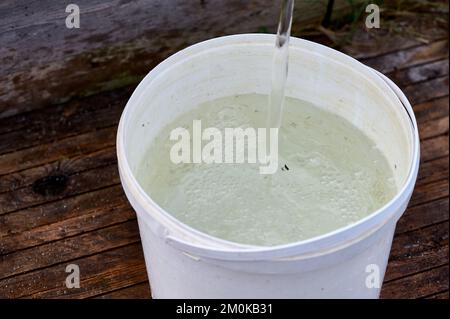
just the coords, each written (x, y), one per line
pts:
(210, 246)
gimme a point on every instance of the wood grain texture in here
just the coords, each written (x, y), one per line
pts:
(415, 55)
(53, 212)
(116, 268)
(68, 248)
(55, 123)
(432, 109)
(423, 215)
(118, 41)
(60, 197)
(420, 92)
(417, 250)
(419, 285)
(421, 72)
(76, 184)
(441, 295)
(67, 166)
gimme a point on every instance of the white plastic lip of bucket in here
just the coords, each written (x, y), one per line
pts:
(197, 243)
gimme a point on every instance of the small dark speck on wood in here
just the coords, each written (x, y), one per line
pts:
(51, 185)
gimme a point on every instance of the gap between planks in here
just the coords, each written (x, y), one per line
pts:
(134, 240)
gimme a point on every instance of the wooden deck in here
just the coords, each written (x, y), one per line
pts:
(61, 201)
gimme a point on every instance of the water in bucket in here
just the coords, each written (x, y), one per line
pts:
(330, 173)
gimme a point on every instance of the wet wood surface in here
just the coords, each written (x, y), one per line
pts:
(61, 201)
(117, 43)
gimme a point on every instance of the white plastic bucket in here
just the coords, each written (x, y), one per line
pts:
(185, 263)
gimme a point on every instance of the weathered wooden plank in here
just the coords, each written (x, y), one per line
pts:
(423, 215)
(429, 192)
(434, 148)
(57, 150)
(69, 248)
(123, 275)
(68, 227)
(69, 186)
(127, 50)
(433, 128)
(57, 221)
(57, 292)
(67, 114)
(42, 281)
(401, 59)
(433, 170)
(424, 91)
(441, 295)
(420, 73)
(57, 122)
(368, 43)
(73, 62)
(418, 250)
(433, 109)
(138, 291)
(99, 273)
(417, 286)
(117, 43)
(411, 264)
(59, 210)
(67, 166)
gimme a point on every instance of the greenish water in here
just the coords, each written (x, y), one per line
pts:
(335, 176)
